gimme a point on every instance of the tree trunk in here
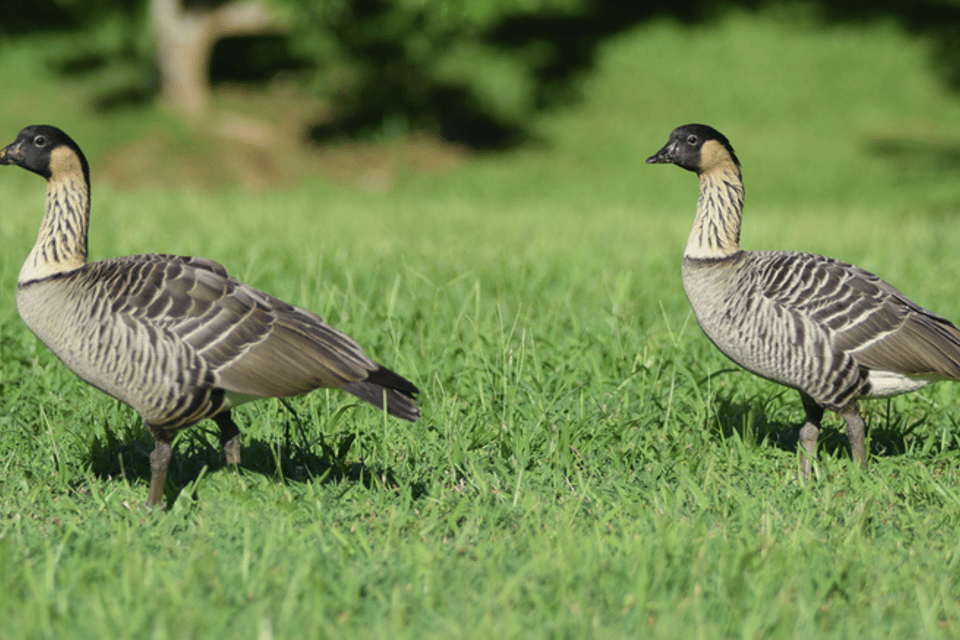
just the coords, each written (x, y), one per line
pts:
(185, 40)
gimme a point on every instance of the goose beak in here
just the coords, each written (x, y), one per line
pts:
(10, 154)
(664, 156)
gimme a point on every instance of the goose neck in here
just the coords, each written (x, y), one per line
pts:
(716, 228)
(62, 241)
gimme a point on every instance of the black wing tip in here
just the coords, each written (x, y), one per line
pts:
(385, 385)
(388, 379)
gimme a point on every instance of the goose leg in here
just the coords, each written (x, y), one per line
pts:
(809, 433)
(159, 461)
(856, 433)
(229, 437)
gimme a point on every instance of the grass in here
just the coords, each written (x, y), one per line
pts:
(587, 465)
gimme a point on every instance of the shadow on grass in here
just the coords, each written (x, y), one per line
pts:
(124, 453)
(919, 155)
(888, 433)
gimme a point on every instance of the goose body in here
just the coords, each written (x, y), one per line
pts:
(833, 331)
(174, 337)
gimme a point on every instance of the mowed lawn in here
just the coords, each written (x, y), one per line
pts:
(587, 464)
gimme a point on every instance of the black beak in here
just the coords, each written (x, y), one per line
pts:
(664, 156)
(10, 154)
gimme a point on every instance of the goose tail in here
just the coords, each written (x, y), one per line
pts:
(383, 385)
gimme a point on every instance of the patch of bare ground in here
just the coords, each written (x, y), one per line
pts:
(259, 140)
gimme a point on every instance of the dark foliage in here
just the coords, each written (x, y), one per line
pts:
(393, 82)
(255, 59)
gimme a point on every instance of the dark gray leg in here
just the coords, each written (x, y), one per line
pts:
(856, 433)
(229, 437)
(809, 433)
(159, 462)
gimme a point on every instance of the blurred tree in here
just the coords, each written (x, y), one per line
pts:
(400, 65)
(27, 16)
(186, 33)
(473, 71)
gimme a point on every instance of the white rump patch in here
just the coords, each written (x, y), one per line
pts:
(890, 383)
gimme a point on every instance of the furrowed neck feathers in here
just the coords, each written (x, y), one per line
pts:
(62, 242)
(716, 228)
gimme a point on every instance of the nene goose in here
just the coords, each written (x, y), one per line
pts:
(174, 337)
(830, 330)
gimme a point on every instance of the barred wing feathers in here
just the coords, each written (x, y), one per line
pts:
(869, 319)
(253, 343)
(203, 328)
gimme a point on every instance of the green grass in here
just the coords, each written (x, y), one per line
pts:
(587, 464)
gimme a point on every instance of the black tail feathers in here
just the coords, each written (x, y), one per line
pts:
(384, 384)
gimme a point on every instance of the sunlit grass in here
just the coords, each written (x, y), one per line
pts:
(587, 464)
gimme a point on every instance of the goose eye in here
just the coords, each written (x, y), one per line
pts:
(692, 139)
(40, 140)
